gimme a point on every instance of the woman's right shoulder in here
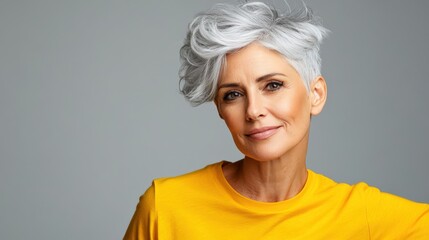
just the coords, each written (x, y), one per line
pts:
(185, 184)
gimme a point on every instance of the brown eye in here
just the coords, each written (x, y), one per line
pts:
(229, 96)
(273, 86)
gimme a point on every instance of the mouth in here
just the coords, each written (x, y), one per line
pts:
(262, 133)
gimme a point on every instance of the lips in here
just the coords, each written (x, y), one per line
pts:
(262, 133)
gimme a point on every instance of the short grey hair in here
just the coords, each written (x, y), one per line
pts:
(296, 34)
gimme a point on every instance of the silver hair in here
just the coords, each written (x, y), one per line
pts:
(296, 34)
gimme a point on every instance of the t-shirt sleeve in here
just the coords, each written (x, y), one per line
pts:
(143, 225)
(393, 217)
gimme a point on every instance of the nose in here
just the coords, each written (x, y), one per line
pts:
(255, 107)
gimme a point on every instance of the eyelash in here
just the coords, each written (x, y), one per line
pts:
(271, 86)
(231, 93)
(278, 85)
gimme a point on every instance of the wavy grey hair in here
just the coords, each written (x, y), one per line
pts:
(225, 28)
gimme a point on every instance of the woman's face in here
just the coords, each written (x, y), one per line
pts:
(265, 103)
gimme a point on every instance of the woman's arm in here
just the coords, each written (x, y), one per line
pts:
(143, 225)
(393, 217)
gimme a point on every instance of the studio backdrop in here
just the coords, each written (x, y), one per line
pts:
(90, 109)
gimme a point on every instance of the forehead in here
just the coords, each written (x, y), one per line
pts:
(254, 61)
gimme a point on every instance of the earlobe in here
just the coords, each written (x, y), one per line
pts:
(319, 95)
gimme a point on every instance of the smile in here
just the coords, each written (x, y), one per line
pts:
(262, 133)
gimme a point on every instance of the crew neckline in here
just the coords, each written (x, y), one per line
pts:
(248, 203)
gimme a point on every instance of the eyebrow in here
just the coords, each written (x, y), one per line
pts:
(261, 78)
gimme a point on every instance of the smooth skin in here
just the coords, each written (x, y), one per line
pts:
(267, 108)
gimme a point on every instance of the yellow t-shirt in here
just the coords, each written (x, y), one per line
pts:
(202, 205)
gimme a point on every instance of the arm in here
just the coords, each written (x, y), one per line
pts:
(143, 225)
(393, 217)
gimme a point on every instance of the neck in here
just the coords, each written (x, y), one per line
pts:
(269, 181)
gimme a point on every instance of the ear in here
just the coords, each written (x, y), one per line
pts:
(318, 95)
(216, 103)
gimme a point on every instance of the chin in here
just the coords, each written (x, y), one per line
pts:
(263, 155)
(271, 149)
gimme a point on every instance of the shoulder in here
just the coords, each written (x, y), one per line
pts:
(387, 215)
(325, 184)
(358, 196)
(197, 178)
(174, 191)
(183, 188)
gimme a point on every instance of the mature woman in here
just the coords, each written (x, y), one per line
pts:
(262, 71)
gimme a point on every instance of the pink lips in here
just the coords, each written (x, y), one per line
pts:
(262, 133)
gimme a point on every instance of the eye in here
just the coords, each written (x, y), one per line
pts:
(231, 95)
(273, 86)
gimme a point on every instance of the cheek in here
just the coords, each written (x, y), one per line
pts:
(233, 124)
(293, 108)
(233, 119)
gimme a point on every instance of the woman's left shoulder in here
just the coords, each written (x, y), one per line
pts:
(360, 191)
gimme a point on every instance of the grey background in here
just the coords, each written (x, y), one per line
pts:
(90, 111)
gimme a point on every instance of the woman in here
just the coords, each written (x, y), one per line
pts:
(262, 71)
